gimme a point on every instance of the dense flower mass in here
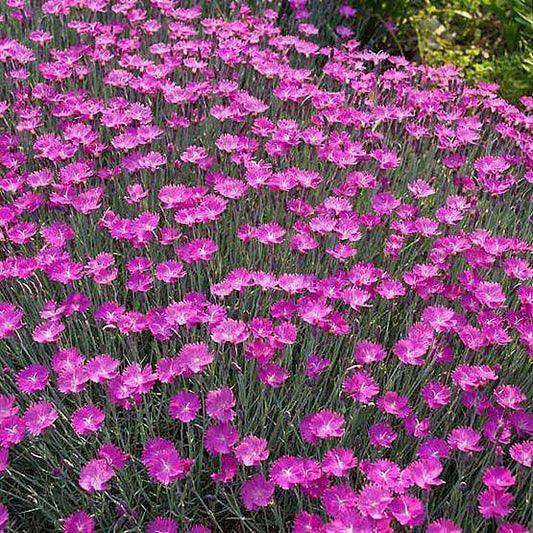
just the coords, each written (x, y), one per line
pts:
(250, 282)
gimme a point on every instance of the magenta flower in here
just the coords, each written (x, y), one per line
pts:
(163, 462)
(4, 459)
(361, 387)
(220, 438)
(339, 500)
(10, 319)
(425, 473)
(338, 462)
(228, 469)
(382, 435)
(305, 522)
(4, 517)
(11, 430)
(87, 419)
(436, 395)
(495, 503)
(232, 331)
(509, 397)
(322, 425)
(408, 510)
(443, 525)
(184, 406)
(286, 472)
(219, 404)
(272, 375)
(369, 352)
(257, 492)
(384, 473)
(316, 365)
(195, 358)
(498, 478)
(522, 452)
(79, 522)
(162, 525)
(251, 451)
(95, 475)
(394, 404)
(101, 368)
(32, 379)
(39, 417)
(373, 501)
(465, 439)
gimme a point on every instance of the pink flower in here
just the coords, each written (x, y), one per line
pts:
(257, 492)
(48, 332)
(169, 271)
(382, 435)
(425, 473)
(286, 472)
(232, 331)
(4, 517)
(495, 503)
(315, 365)
(339, 500)
(490, 294)
(408, 510)
(509, 397)
(101, 368)
(79, 522)
(522, 452)
(38, 417)
(4, 459)
(184, 406)
(498, 478)
(322, 425)
(410, 352)
(11, 430)
(440, 318)
(338, 462)
(252, 451)
(162, 525)
(197, 250)
(195, 357)
(373, 501)
(220, 438)
(219, 404)
(94, 476)
(10, 319)
(465, 439)
(361, 387)
(269, 234)
(436, 395)
(113, 455)
(87, 419)
(163, 462)
(272, 375)
(228, 469)
(369, 352)
(443, 525)
(383, 473)
(32, 379)
(306, 522)
(394, 404)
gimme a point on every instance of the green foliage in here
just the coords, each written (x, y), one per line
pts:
(491, 40)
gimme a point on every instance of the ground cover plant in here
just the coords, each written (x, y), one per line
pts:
(249, 283)
(490, 40)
